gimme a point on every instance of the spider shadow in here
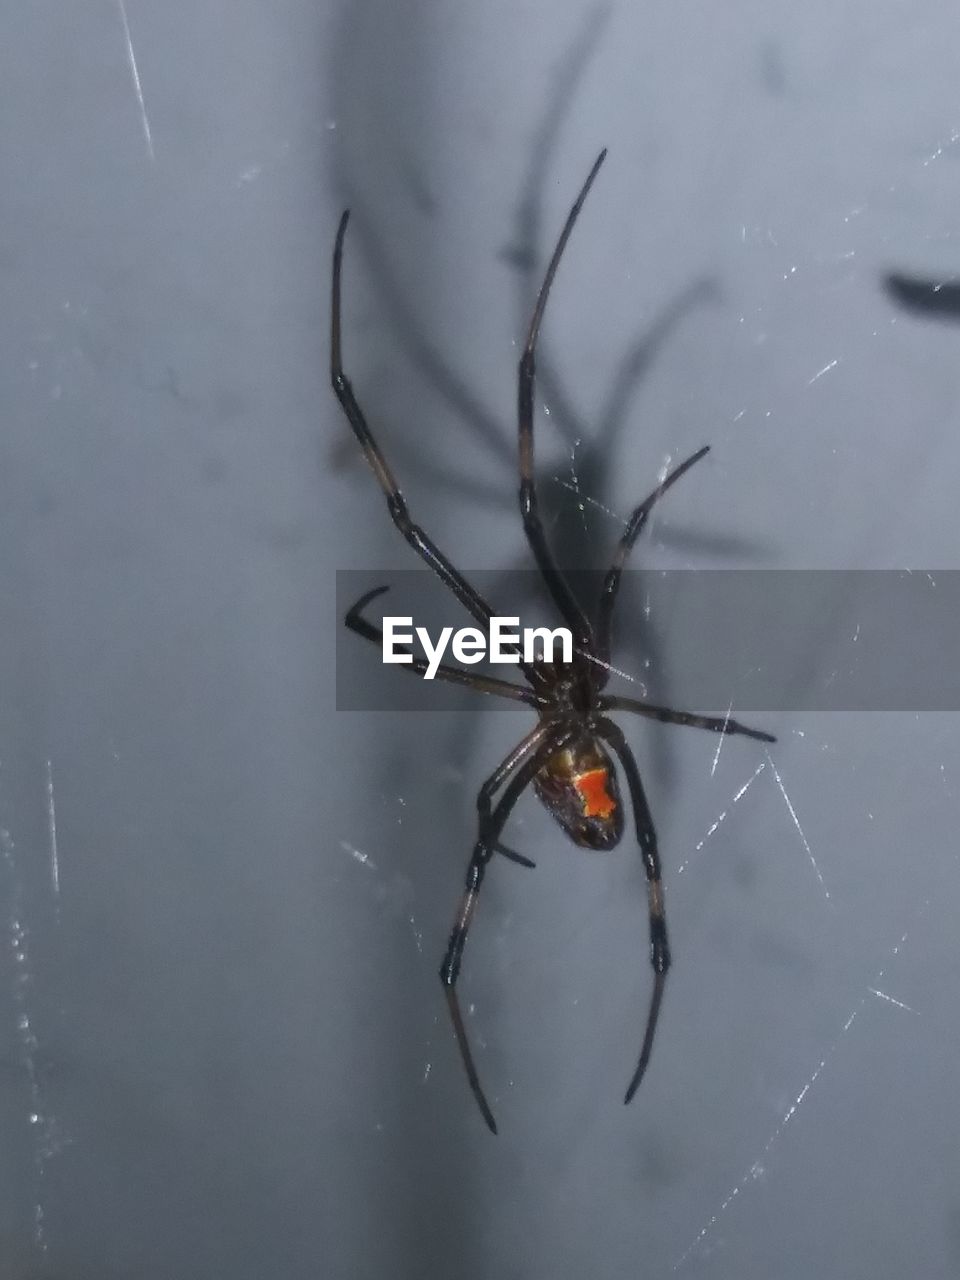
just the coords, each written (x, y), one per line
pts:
(582, 533)
(930, 299)
(582, 526)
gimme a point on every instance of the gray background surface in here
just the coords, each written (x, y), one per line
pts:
(222, 903)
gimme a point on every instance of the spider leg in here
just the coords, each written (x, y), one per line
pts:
(422, 544)
(556, 583)
(611, 583)
(524, 762)
(496, 779)
(483, 684)
(647, 840)
(512, 855)
(716, 724)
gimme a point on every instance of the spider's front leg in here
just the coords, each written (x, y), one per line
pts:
(524, 762)
(647, 840)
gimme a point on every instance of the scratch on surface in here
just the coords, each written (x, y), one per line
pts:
(751, 1174)
(137, 87)
(417, 934)
(655, 511)
(249, 174)
(942, 147)
(796, 823)
(45, 1143)
(253, 172)
(882, 995)
(52, 829)
(722, 816)
(575, 484)
(608, 666)
(363, 858)
(720, 738)
(585, 499)
(826, 369)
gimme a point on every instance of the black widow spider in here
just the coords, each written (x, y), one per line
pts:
(564, 757)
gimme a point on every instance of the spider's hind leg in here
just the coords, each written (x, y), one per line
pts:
(647, 840)
(524, 762)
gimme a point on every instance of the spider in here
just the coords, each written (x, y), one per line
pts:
(569, 757)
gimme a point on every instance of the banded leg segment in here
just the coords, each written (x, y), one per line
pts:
(357, 623)
(611, 583)
(715, 724)
(559, 588)
(422, 544)
(649, 852)
(524, 762)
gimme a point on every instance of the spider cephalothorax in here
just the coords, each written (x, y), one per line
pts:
(565, 756)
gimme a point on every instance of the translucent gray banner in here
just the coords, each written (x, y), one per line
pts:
(776, 640)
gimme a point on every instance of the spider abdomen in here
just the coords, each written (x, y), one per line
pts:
(578, 785)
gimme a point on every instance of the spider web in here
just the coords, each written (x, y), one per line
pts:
(223, 903)
(768, 334)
